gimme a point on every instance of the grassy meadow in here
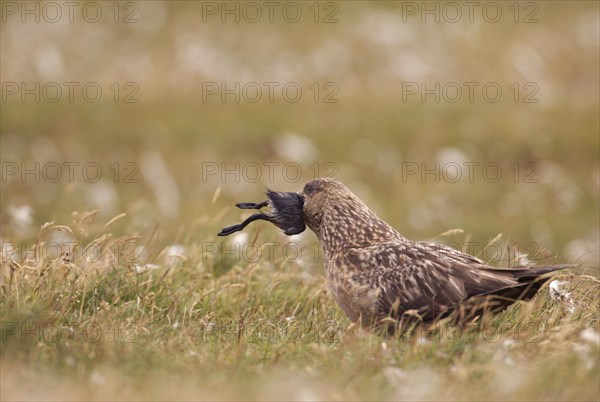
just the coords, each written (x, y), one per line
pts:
(128, 135)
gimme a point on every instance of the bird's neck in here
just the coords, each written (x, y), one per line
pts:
(346, 226)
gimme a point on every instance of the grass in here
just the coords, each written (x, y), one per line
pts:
(184, 327)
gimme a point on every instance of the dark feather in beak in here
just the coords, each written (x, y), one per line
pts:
(286, 213)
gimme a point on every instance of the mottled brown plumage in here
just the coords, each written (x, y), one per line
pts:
(374, 273)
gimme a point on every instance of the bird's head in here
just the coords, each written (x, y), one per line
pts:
(322, 197)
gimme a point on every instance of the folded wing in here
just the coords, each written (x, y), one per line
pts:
(434, 280)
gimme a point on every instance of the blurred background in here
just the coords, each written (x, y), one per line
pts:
(482, 117)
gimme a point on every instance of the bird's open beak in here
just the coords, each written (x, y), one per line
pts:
(286, 213)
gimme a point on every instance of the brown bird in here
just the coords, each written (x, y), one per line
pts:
(380, 278)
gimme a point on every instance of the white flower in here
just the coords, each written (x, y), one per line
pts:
(560, 295)
(146, 267)
(589, 335)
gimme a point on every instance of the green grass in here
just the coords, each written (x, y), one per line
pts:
(189, 329)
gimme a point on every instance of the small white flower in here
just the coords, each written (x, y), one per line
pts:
(591, 336)
(509, 361)
(22, 215)
(97, 378)
(560, 295)
(147, 267)
(175, 249)
(394, 375)
(295, 147)
(175, 254)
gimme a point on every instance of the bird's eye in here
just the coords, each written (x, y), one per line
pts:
(309, 188)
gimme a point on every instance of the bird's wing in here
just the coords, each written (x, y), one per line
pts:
(427, 277)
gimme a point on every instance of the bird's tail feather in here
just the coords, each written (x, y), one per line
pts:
(530, 273)
(530, 280)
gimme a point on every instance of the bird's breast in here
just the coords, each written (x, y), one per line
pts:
(357, 300)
